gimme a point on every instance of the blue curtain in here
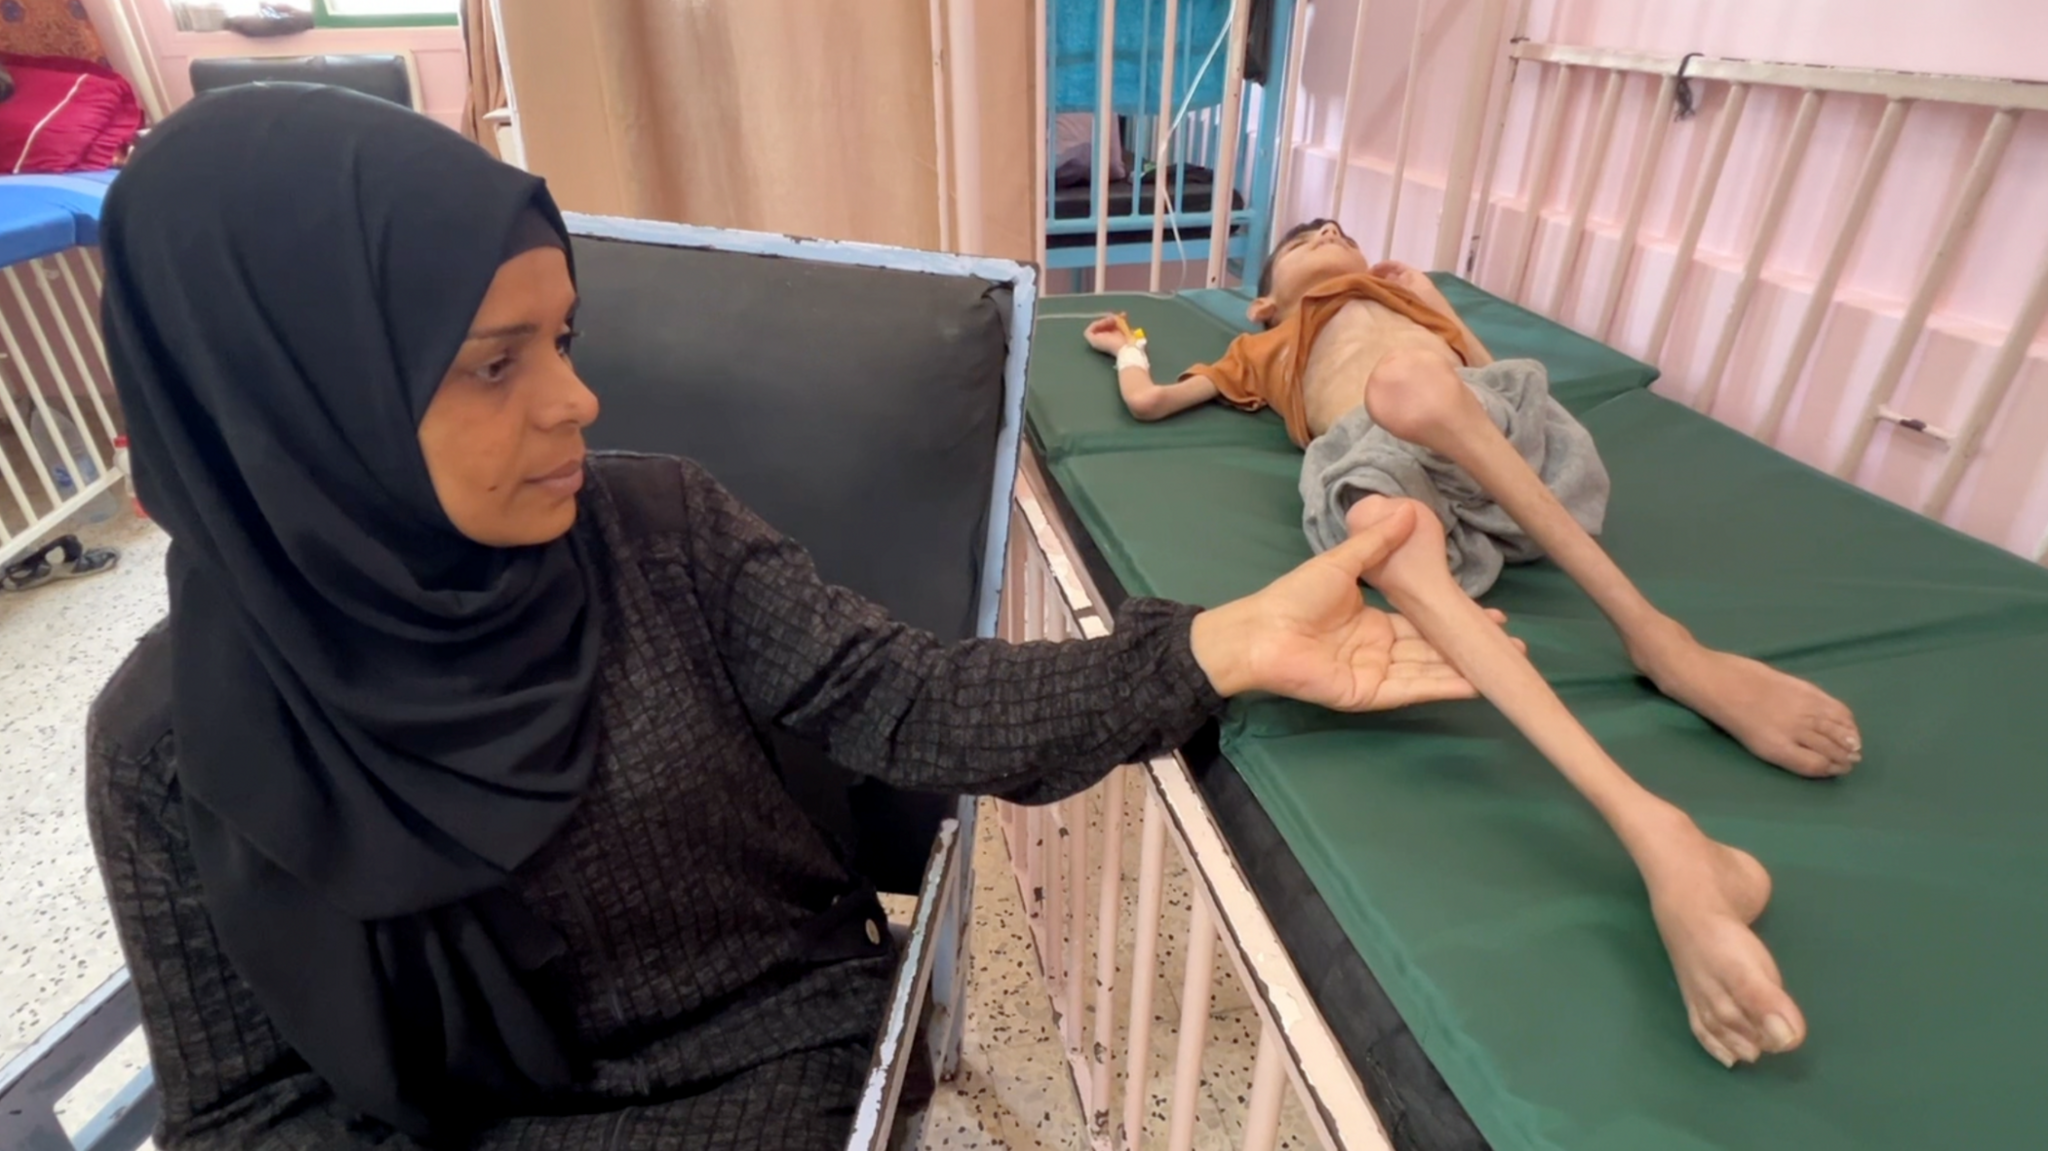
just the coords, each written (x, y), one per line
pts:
(1140, 26)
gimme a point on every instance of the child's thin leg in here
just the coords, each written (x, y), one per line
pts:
(1782, 720)
(1703, 894)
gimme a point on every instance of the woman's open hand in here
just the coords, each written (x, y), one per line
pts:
(1310, 635)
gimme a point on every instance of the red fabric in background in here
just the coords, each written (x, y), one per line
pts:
(65, 116)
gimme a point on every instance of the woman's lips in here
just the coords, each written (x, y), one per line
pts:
(566, 480)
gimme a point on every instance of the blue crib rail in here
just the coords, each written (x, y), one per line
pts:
(1075, 57)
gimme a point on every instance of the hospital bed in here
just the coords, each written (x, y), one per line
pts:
(1469, 930)
(1442, 946)
(868, 402)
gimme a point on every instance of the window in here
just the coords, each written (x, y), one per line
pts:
(383, 13)
(212, 15)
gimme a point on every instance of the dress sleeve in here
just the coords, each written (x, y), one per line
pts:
(1029, 722)
(226, 1078)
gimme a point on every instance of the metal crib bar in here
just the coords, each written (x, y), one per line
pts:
(98, 344)
(1539, 183)
(36, 462)
(1760, 248)
(1195, 991)
(2004, 370)
(1098, 198)
(1450, 229)
(1591, 166)
(1947, 249)
(1144, 967)
(1638, 197)
(1283, 140)
(1269, 1080)
(1875, 162)
(65, 328)
(69, 393)
(1351, 77)
(21, 496)
(1407, 123)
(1162, 153)
(1107, 911)
(1076, 1022)
(1696, 219)
(1226, 166)
(1185, 140)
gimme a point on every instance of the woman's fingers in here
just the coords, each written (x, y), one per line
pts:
(1409, 691)
(1406, 630)
(1370, 545)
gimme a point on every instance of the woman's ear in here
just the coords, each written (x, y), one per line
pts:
(1262, 311)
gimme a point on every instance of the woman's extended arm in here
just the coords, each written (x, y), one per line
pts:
(1030, 721)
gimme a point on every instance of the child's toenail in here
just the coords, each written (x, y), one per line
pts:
(1780, 1032)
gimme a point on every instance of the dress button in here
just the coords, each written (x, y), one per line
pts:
(874, 933)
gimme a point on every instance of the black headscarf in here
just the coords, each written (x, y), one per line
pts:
(377, 719)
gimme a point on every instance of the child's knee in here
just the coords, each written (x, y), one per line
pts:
(1415, 394)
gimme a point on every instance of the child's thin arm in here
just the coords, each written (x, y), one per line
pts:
(1146, 399)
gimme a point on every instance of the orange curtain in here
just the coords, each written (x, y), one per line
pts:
(813, 117)
(486, 73)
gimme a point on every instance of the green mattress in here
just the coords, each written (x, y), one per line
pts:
(1500, 916)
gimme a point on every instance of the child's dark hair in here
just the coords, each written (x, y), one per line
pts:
(1266, 270)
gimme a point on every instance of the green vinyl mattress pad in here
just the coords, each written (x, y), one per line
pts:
(1503, 920)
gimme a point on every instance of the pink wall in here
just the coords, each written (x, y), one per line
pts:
(442, 68)
(2005, 497)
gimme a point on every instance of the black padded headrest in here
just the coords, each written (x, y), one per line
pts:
(855, 409)
(374, 74)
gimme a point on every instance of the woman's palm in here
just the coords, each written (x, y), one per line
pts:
(1323, 644)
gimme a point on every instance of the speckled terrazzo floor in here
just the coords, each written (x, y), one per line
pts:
(1014, 1090)
(59, 643)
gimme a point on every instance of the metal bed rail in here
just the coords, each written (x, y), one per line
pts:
(1071, 866)
(54, 377)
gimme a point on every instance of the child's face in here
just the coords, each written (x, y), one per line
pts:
(1310, 259)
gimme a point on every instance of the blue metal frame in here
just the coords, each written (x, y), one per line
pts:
(1251, 226)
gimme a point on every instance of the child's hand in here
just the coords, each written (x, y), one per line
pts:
(1106, 336)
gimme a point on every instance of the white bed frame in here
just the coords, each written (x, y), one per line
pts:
(1074, 908)
(46, 308)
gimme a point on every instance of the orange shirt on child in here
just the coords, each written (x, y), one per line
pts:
(1266, 369)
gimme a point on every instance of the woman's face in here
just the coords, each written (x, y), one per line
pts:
(503, 437)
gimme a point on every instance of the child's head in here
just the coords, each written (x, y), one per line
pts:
(1306, 256)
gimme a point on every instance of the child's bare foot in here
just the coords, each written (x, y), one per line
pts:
(1781, 719)
(1705, 895)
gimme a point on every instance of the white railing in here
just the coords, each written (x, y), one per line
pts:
(2006, 100)
(1078, 864)
(53, 375)
(1531, 233)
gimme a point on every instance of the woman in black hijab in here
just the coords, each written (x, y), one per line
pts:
(437, 812)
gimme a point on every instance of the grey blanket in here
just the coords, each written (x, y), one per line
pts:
(1357, 458)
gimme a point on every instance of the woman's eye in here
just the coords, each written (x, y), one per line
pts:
(565, 342)
(496, 371)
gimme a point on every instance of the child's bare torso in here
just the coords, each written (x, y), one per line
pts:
(1348, 348)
